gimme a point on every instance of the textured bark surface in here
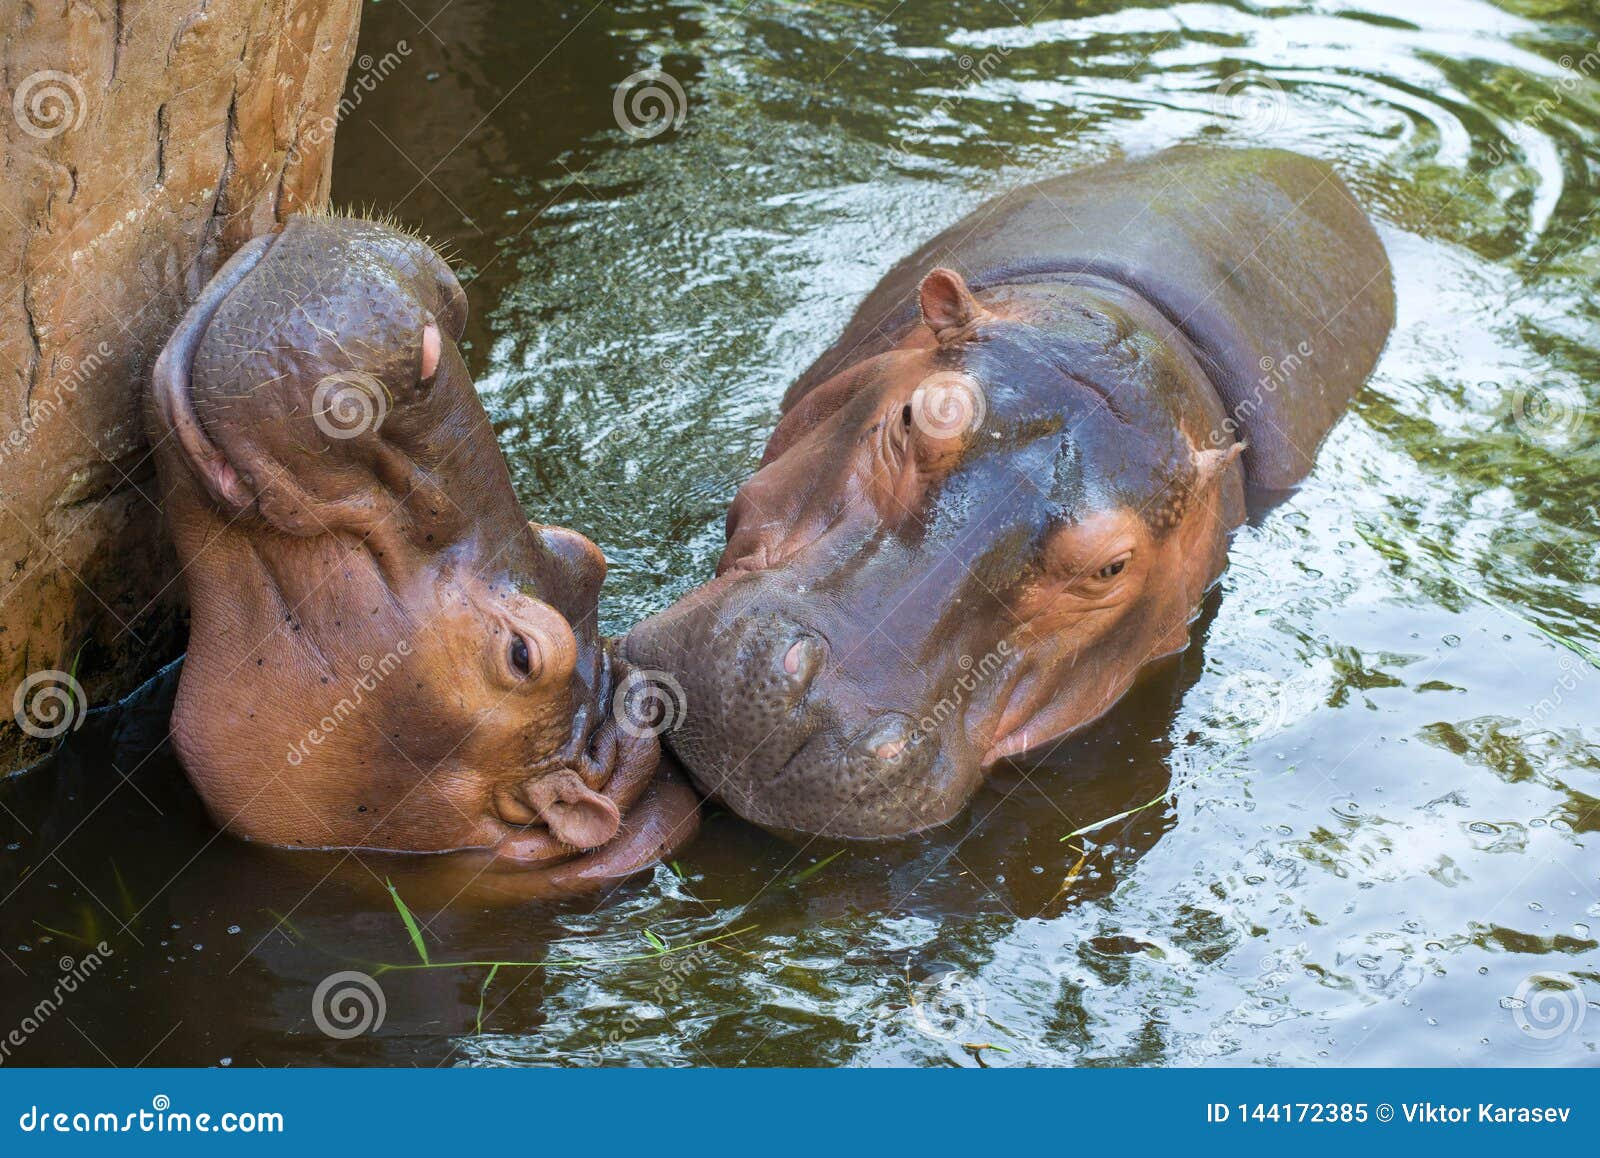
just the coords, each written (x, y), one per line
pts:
(140, 144)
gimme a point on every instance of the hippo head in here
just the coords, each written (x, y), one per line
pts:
(384, 653)
(954, 551)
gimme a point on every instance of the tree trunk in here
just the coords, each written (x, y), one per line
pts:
(142, 143)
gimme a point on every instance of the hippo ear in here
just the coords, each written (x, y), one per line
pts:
(947, 304)
(574, 813)
(1208, 464)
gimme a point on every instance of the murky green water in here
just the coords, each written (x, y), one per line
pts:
(1380, 840)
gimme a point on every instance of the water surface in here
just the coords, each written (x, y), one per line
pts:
(1377, 774)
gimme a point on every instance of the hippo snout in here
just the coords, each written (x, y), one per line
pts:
(774, 726)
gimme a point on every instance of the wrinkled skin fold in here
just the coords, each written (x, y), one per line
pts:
(384, 653)
(1005, 490)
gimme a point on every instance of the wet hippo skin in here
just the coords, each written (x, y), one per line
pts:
(1006, 488)
(384, 653)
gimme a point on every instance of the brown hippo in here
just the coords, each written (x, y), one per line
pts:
(1005, 490)
(383, 652)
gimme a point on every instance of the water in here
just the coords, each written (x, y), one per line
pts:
(1376, 842)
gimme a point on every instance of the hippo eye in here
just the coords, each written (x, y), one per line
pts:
(905, 415)
(1111, 570)
(521, 660)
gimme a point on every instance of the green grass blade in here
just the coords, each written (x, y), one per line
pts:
(810, 871)
(411, 922)
(1088, 828)
(483, 992)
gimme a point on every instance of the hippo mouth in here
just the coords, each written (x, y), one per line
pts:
(617, 762)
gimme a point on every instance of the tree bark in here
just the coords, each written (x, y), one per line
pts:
(142, 143)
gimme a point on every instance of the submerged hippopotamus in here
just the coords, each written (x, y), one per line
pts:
(384, 653)
(1005, 490)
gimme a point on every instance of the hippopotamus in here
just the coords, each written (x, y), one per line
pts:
(384, 653)
(1005, 490)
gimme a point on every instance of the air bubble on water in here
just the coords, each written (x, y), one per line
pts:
(1580, 931)
(1483, 971)
(1483, 828)
(224, 1061)
(233, 929)
(1536, 906)
(1452, 640)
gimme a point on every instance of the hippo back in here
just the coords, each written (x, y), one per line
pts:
(1261, 258)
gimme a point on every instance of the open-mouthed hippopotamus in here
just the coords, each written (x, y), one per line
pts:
(1006, 488)
(383, 652)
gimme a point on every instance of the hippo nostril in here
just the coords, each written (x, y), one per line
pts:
(803, 660)
(889, 739)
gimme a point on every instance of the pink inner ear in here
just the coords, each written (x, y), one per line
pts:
(430, 350)
(947, 303)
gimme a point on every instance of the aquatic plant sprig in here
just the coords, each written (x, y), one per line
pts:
(659, 948)
(1551, 634)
